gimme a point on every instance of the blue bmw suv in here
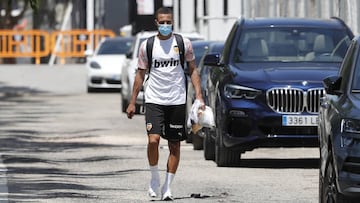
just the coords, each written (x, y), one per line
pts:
(266, 85)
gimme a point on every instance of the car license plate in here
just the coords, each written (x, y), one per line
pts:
(294, 120)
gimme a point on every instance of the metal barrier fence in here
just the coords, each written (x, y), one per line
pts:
(38, 43)
(24, 44)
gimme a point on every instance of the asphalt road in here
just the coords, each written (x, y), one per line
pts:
(60, 144)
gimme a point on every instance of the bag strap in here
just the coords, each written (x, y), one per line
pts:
(180, 43)
(149, 47)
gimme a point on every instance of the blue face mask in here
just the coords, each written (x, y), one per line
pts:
(165, 29)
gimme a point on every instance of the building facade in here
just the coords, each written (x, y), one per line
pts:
(214, 18)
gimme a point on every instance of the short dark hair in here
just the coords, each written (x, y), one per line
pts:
(163, 10)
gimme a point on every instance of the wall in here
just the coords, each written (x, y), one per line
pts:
(213, 24)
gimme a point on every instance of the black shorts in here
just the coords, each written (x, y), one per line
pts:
(167, 121)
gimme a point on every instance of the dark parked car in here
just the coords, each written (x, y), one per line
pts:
(199, 49)
(339, 132)
(213, 47)
(266, 86)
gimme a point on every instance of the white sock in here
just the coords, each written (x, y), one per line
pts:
(155, 177)
(168, 180)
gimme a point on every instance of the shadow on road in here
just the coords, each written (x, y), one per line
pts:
(199, 196)
(7, 92)
(308, 163)
(27, 159)
(33, 171)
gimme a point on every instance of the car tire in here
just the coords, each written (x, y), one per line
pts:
(223, 156)
(189, 136)
(91, 89)
(197, 141)
(124, 104)
(328, 190)
(137, 108)
(209, 145)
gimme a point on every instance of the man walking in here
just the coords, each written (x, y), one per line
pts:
(165, 96)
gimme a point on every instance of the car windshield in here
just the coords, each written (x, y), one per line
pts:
(114, 47)
(291, 45)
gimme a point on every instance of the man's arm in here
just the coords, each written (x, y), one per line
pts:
(138, 83)
(195, 79)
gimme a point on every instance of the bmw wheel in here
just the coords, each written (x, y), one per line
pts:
(223, 155)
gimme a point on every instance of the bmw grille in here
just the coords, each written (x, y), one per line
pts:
(294, 100)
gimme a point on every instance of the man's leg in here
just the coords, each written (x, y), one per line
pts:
(174, 157)
(154, 123)
(174, 130)
(153, 149)
(153, 158)
(172, 165)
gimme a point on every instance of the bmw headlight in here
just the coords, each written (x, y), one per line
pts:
(95, 65)
(350, 126)
(239, 92)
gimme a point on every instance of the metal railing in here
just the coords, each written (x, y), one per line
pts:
(38, 43)
(24, 44)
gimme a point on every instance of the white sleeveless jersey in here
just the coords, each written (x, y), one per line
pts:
(166, 83)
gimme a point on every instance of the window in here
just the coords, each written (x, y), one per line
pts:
(292, 45)
(225, 7)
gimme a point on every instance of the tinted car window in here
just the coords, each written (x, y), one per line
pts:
(347, 63)
(114, 47)
(291, 45)
(356, 79)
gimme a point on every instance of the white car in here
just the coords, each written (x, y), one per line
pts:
(128, 72)
(130, 66)
(104, 65)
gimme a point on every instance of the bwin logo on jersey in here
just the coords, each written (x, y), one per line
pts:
(166, 63)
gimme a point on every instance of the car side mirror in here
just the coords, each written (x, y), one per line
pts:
(212, 60)
(332, 85)
(129, 55)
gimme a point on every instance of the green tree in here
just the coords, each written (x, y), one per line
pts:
(8, 21)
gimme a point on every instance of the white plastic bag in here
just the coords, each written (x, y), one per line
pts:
(199, 118)
(193, 113)
(206, 117)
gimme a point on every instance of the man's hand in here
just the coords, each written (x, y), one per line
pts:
(202, 106)
(130, 110)
(138, 83)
